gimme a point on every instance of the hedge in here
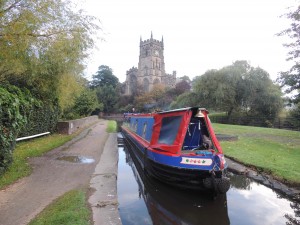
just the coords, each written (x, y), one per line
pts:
(42, 119)
(21, 115)
(15, 106)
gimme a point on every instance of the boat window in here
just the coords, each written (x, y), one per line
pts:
(135, 126)
(169, 129)
(144, 130)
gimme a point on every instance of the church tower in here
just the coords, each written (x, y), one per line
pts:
(151, 68)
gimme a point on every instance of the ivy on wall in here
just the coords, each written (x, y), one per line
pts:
(14, 105)
(21, 114)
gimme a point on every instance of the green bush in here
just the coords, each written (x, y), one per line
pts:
(22, 115)
(43, 118)
(15, 106)
(84, 105)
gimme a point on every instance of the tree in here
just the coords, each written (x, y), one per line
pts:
(182, 86)
(86, 103)
(237, 89)
(291, 79)
(108, 96)
(186, 99)
(155, 99)
(29, 28)
(104, 77)
(261, 97)
(43, 45)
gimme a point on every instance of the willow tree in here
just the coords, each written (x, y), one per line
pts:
(290, 79)
(43, 43)
(239, 89)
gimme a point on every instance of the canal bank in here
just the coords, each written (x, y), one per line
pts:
(264, 179)
(104, 199)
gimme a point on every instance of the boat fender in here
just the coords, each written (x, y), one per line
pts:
(207, 183)
(223, 184)
(210, 182)
(219, 185)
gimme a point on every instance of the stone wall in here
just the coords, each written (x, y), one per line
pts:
(71, 126)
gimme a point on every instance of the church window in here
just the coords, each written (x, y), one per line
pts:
(133, 83)
(146, 71)
(146, 85)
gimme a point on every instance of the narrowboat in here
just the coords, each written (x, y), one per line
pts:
(167, 205)
(178, 147)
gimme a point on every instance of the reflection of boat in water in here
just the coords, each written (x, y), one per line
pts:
(167, 205)
(178, 147)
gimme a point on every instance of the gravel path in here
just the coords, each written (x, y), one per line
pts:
(51, 178)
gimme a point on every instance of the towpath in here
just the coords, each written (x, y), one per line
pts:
(51, 178)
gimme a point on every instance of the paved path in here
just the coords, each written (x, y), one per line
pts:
(51, 178)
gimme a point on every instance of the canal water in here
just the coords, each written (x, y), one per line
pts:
(143, 200)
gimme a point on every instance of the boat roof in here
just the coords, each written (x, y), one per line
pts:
(195, 109)
(183, 109)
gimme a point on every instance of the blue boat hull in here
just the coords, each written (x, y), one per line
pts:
(168, 170)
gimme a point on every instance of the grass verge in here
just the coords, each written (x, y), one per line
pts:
(33, 148)
(274, 151)
(69, 209)
(111, 126)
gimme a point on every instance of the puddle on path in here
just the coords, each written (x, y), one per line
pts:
(147, 201)
(76, 159)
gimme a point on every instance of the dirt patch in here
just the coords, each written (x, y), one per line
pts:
(277, 138)
(106, 203)
(51, 178)
(227, 137)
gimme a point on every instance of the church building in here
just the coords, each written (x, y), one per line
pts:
(151, 68)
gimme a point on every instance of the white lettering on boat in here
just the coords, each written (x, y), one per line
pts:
(196, 161)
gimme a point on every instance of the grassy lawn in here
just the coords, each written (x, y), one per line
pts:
(69, 209)
(111, 126)
(272, 150)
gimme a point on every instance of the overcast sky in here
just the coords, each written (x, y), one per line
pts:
(198, 34)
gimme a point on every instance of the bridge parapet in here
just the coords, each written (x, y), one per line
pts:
(117, 116)
(70, 126)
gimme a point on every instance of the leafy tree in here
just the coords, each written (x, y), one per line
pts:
(291, 79)
(109, 97)
(236, 89)
(86, 103)
(43, 44)
(159, 98)
(70, 87)
(261, 97)
(125, 103)
(104, 77)
(186, 99)
(182, 86)
(29, 28)
(185, 78)
(144, 103)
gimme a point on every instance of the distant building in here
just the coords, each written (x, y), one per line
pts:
(151, 68)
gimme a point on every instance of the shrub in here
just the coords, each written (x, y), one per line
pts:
(15, 106)
(22, 115)
(43, 118)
